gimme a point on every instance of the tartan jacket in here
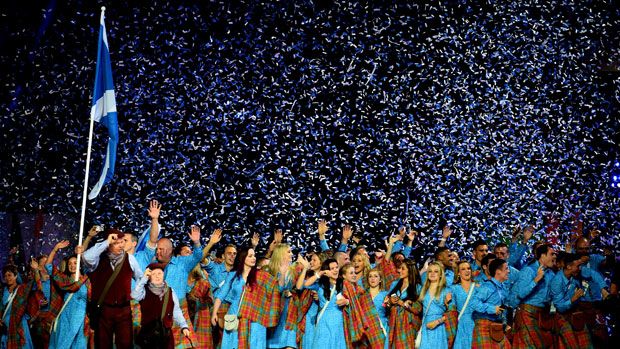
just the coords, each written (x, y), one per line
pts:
(261, 304)
(19, 307)
(362, 326)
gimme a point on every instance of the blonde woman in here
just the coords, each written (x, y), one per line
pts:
(435, 297)
(280, 266)
(361, 265)
(463, 291)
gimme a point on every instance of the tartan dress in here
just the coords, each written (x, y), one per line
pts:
(404, 323)
(200, 302)
(362, 325)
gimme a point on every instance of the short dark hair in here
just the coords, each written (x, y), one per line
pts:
(570, 258)
(440, 250)
(500, 245)
(541, 250)
(479, 243)
(487, 259)
(495, 265)
(9, 267)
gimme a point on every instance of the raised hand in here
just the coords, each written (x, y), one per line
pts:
(411, 234)
(277, 236)
(255, 240)
(62, 244)
(527, 233)
(154, 209)
(446, 232)
(94, 231)
(216, 236)
(194, 234)
(304, 262)
(347, 232)
(112, 238)
(322, 229)
(33, 264)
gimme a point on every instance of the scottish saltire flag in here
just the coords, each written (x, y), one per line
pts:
(103, 109)
(144, 238)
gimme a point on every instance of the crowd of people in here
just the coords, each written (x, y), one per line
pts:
(185, 296)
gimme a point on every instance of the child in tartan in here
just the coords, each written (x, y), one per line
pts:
(402, 300)
(566, 291)
(14, 308)
(258, 310)
(489, 312)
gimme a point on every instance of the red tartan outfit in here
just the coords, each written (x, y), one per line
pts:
(115, 320)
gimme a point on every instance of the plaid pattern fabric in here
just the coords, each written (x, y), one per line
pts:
(260, 304)
(15, 332)
(404, 325)
(390, 273)
(482, 337)
(65, 283)
(567, 338)
(40, 329)
(451, 324)
(298, 307)
(362, 326)
(136, 317)
(180, 342)
(528, 333)
(201, 300)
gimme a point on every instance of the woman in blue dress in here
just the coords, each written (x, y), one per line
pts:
(307, 284)
(232, 293)
(435, 297)
(280, 267)
(13, 308)
(70, 327)
(329, 331)
(378, 294)
(461, 292)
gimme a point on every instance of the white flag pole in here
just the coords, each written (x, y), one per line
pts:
(85, 192)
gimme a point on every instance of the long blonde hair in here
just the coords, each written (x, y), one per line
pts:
(277, 257)
(441, 284)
